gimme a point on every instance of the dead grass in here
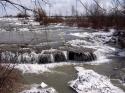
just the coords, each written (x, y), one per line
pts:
(41, 16)
(10, 81)
(98, 22)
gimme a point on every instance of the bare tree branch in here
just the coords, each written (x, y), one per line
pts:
(19, 6)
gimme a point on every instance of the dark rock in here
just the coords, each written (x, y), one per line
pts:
(44, 58)
(81, 56)
(121, 41)
(59, 56)
(117, 33)
(93, 56)
(118, 39)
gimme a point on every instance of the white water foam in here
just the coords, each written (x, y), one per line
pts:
(38, 68)
(96, 41)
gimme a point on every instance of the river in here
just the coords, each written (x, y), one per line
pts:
(110, 60)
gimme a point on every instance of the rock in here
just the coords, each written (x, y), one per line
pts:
(122, 42)
(122, 53)
(87, 56)
(48, 56)
(89, 81)
(37, 89)
(119, 38)
(59, 57)
(44, 58)
(122, 75)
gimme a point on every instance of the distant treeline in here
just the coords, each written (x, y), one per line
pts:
(95, 16)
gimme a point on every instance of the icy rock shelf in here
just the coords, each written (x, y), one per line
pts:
(47, 56)
(89, 81)
(42, 88)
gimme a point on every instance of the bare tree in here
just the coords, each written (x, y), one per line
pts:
(6, 83)
(19, 6)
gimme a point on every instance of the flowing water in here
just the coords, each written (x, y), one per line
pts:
(108, 63)
(109, 60)
(59, 77)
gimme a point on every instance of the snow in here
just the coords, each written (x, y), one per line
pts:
(23, 29)
(37, 89)
(99, 33)
(122, 54)
(89, 81)
(43, 85)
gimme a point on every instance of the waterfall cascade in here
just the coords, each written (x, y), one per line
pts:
(47, 56)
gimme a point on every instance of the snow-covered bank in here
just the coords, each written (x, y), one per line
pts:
(40, 89)
(89, 81)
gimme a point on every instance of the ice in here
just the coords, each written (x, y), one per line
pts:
(97, 41)
(101, 50)
(95, 38)
(99, 33)
(23, 29)
(89, 81)
(37, 89)
(32, 57)
(43, 85)
(122, 53)
(28, 57)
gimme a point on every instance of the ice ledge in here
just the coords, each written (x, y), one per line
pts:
(42, 88)
(89, 81)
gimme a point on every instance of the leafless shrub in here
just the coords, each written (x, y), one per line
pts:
(40, 16)
(9, 79)
(22, 15)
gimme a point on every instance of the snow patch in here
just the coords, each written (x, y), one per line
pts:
(89, 81)
(122, 54)
(37, 89)
(23, 29)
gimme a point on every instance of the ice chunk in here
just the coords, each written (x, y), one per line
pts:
(122, 54)
(37, 89)
(43, 85)
(89, 81)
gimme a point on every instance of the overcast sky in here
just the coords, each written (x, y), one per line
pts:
(62, 7)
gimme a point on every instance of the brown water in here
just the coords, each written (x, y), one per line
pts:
(60, 76)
